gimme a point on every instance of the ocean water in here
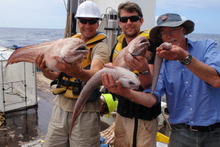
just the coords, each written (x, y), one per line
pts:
(29, 36)
(195, 36)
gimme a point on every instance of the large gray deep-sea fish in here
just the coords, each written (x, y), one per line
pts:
(120, 72)
(71, 50)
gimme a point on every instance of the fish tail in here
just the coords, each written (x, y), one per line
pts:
(93, 83)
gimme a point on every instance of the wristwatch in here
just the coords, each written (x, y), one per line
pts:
(187, 60)
(145, 72)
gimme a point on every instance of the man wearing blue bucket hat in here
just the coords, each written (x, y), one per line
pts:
(190, 79)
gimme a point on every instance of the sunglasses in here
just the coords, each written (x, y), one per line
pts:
(132, 18)
(90, 21)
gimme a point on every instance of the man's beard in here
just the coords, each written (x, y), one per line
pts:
(131, 36)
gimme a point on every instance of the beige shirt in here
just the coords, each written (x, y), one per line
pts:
(101, 52)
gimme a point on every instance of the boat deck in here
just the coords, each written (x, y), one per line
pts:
(29, 124)
(28, 127)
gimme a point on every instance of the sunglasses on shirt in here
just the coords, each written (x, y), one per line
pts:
(90, 21)
(132, 18)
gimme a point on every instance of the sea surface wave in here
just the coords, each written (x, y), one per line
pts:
(29, 36)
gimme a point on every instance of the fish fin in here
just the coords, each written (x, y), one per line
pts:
(93, 83)
(28, 53)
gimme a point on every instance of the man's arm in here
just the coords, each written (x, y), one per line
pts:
(145, 70)
(145, 99)
(200, 69)
(204, 72)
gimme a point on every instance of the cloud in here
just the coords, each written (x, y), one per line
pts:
(32, 13)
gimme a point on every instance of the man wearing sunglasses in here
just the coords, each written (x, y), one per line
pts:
(190, 78)
(135, 124)
(86, 130)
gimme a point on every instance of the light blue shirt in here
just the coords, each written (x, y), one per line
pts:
(190, 100)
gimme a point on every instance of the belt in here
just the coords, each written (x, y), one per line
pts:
(199, 128)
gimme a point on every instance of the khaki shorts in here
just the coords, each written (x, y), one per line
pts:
(124, 130)
(86, 131)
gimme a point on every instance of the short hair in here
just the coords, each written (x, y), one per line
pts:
(130, 7)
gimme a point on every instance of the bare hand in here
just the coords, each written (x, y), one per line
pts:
(174, 53)
(111, 85)
(68, 68)
(138, 63)
(41, 63)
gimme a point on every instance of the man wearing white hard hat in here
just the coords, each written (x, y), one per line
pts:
(86, 129)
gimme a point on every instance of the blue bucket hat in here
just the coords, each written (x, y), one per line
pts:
(170, 20)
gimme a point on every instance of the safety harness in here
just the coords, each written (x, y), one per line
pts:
(71, 86)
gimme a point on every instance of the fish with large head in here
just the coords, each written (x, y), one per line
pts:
(127, 78)
(120, 72)
(136, 47)
(71, 50)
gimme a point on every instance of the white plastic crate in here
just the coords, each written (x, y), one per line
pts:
(17, 84)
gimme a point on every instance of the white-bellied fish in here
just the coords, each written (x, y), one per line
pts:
(71, 50)
(120, 71)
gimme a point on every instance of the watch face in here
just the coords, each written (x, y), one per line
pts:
(187, 60)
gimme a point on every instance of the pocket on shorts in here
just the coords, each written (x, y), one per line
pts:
(216, 132)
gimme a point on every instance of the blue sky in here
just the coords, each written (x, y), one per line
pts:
(204, 13)
(52, 13)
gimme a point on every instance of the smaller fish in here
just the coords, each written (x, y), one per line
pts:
(127, 78)
(166, 46)
(71, 50)
(157, 64)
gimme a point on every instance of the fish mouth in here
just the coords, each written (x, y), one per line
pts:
(77, 59)
(143, 45)
(79, 54)
(132, 85)
(82, 49)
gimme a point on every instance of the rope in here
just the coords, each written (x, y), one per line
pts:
(64, 2)
(2, 119)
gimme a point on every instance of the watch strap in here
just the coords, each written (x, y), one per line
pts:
(187, 60)
(145, 72)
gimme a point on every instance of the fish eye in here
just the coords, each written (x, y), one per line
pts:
(131, 83)
(81, 48)
(144, 40)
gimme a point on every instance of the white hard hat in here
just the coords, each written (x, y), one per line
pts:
(88, 9)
